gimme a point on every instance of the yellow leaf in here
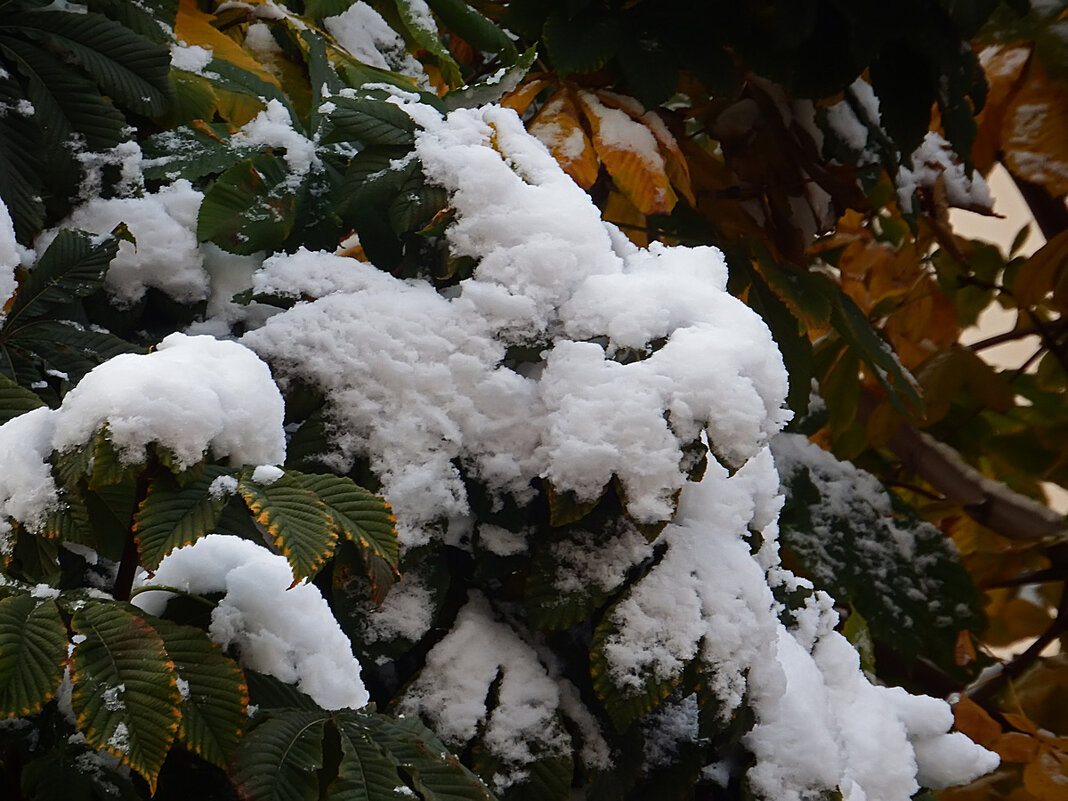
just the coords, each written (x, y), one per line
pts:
(619, 210)
(558, 127)
(630, 153)
(520, 98)
(1032, 134)
(194, 27)
(675, 164)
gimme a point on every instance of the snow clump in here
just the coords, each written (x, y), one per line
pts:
(278, 628)
(191, 395)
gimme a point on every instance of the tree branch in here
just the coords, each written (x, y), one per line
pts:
(986, 501)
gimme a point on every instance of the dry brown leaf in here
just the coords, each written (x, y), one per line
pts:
(1015, 746)
(976, 722)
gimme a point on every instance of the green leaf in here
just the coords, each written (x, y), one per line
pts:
(434, 773)
(21, 168)
(70, 523)
(851, 324)
(623, 704)
(109, 469)
(278, 759)
(370, 122)
(251, 207)
(493, 89)
(129, 68)
(125, 695)
(477, 30)
(363, 518)
(63, 100)
(33, 653)
(364, 772)
(325, 8)
(73, 266)
(56, 351)
(151, 19)
(14, 400)
(423, 30)
(171, 515)
(582, 43)
(191, 152)
(60, 772)
(295, 519)
(215, 696)
(865, 547)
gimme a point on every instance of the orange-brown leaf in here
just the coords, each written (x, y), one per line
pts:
(1032, 134)
(976, 722)
(558, 127)
(630, 153)
(1015, 746)
(619, 210)
(1046, 776)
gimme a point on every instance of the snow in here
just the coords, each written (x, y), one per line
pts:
(9, 258)
(416, 381)
(191, 58)
(222, 487)
(280, 628)
(192, 395)
(451, 693)
(27, 490)
(406, 613)
(273, 127)
(266, 474)
(934, 161)
(362, 31)
(166, 256)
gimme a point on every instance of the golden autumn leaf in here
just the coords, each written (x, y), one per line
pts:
(1032, 134)
(675, 164)
(619, 210)
(630, 153)
(520, 98)
(194, 27)
(558, 127)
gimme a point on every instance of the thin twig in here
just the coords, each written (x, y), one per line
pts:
(1016, 667)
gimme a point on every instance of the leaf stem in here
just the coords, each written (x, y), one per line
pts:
(131, 556)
